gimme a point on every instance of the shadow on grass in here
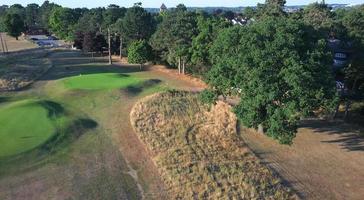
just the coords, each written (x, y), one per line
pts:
(349, 136)
(75, 130)
(4, 99)
(134, 90)
(54, 109)
(63, 137)
(70, 63)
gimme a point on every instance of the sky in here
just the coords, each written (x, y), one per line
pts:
(169, 3)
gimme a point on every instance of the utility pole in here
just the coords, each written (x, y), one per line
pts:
(2, 43)
(109, 36)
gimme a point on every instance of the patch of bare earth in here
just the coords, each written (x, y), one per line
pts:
(326, 160)
(198, 152)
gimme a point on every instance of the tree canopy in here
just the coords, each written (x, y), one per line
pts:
(278, 68)
(14, 25)
(174, 35)
(61, 22)
(137, 24)
(139, 52)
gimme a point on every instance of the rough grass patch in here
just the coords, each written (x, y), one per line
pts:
(198, 151)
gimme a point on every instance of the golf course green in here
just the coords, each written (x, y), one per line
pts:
(26, 124)
(101, 81)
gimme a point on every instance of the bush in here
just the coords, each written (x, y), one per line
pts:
(139, 52)
(208, 97)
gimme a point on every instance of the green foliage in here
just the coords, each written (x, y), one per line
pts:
(112, 14)
(139, 52)
(14, 25)
(173, 37)
(208, 97)
(208, 28)
(281, 69)
(137, 24)
(61, 22)
(352, 21)
(45, 12)
(32, 14)
(319, 16)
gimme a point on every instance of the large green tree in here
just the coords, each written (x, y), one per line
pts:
(173, 38)
(208, 27)
(112, 14)
(353, 21)
(32, 14)
(14, 25)
(319, 16)
(45, 12)
(280, 71)
(137, 24)
(139, 52)
(61, 22)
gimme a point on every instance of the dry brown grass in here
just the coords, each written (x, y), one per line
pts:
(18, 71)
(16, 45)
(198, 152)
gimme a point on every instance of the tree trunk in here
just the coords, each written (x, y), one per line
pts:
(336, 111)
(183, 67)
(347, 107)
(260, 129)
(141, 66)
(121, 47)
(179, 65)
(109, 38)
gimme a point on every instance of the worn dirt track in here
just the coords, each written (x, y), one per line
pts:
(326, 160)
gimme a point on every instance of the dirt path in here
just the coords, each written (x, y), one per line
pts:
(326, 160)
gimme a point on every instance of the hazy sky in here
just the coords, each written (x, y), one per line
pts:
(169, 3)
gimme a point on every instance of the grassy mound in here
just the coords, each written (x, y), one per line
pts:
(198, 151)
(101, 81)
(26, 125)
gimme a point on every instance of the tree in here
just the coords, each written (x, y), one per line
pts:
(32, 17)
(173, 37)
(3, 12)
(271, 8)
(137, 24)
(280, 3)
(319, 16)
(61, 22)
(45, 12)
(279, 69)
(88, 43)
(112, 14)
(14, 25)
(139, 52)
(353, 21)
(208, 28)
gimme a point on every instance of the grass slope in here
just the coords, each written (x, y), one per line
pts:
(100, 81)
(198, 151)
(24, 125)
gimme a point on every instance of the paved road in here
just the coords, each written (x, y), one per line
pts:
(326, 160)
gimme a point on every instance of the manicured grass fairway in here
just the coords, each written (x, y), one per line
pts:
(101, 81)
(24, 125)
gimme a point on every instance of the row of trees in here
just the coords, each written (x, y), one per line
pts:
(278, 63)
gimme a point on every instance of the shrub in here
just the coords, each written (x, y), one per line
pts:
(139, 52)
(208, 97)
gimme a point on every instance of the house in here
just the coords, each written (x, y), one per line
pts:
(341, 52)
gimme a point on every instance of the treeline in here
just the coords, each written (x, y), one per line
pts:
(277, 63)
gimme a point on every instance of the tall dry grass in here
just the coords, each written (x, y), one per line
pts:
(198, 151)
